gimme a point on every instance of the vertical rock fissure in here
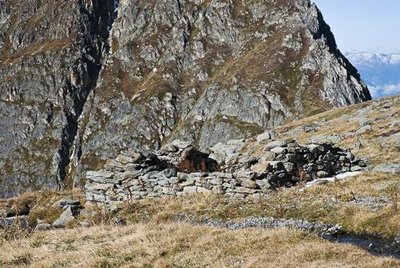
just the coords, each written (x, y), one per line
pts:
(97, 17)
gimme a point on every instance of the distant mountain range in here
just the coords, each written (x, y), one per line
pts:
(381, 72)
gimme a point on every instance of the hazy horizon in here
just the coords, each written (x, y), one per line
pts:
(363, 26)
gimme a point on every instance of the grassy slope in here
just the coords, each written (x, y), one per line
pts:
(154, 237)
(378, 145)
(182, 245)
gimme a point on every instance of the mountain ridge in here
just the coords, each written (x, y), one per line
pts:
(80, 85)
(381, 72)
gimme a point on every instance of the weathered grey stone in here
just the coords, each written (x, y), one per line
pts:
(169, 148)
(309, 128)
(66, 217)
(289, 167)
(315, 148)
(170, 172)
(239, 195)
(222, 151)
(99, 176)
(43, 227)
(21, 221)
(268, 135)
(189, 182)
(268, 156)
(364, 129)
(322, 174)
(132, 168)
(203, 190)
(100, 198)
(392, 168)
(86, 212)
(101, 187)
(163, 182)
(350, 156)
(67, 202)
(274, 144)
(232, 159)
(218, 189)
(134, 155)
(216, 181)
(278, 150)
(260, 168)
(245, 174)
(114, 166)
(249, 176)
(356, 168)
(263, 184)
(128, 175)
(124, 159)
(248, 183)
(190, 189)
(180, 144)
(277, 165)
(221, 175)
(328, 138)
(291, 157)
(245, 190)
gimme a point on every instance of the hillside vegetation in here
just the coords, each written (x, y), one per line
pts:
(191, 230)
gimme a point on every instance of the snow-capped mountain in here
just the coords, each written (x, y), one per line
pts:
(368, 58)
(381, 72)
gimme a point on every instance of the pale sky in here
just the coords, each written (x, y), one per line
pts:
(364, 25)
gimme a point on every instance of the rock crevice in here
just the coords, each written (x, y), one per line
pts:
(82, 80)
(96, 21)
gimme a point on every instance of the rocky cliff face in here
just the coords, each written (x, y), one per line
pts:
(80, 81)
(50, 54)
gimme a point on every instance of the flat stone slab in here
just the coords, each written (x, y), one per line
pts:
(339, 177)
(99, 176)
(391, 168)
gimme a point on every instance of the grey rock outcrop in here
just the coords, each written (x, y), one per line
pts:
(66, 217)
(50, 58)
(209, 72)
(21, 221)
(71, 210)
(77, 86)
(43, 227)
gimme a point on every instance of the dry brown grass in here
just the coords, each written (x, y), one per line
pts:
(40, 205)
(331, 203)
(37, 48)
(378, 145)
(182, 245)
(155, 237)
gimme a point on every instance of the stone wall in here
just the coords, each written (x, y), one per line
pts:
(236, 168)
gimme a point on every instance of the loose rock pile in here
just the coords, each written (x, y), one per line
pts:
(237, 168)
(322, 229)
(23, 216)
